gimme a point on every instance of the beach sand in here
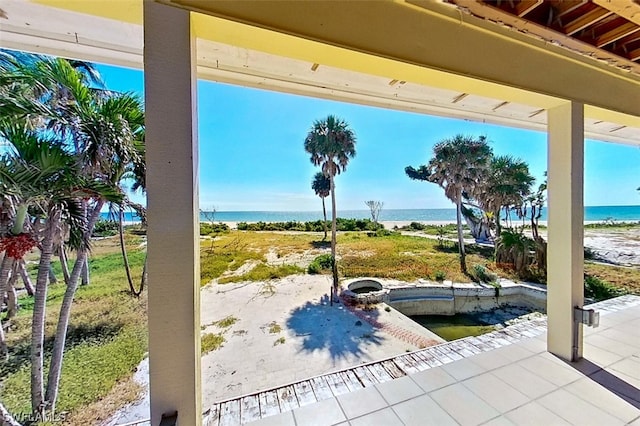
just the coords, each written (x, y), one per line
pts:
(285, 331)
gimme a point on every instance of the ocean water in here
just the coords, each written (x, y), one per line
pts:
(591, 213)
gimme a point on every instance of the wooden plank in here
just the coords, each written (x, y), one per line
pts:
(392, 368)
(460, 348)
(488, 341)
(336, 384)
(213, 418)
(379, 372)
(365, 376)
(420, 363)
(445, 349)
(230, 413)
(249, 409)
(304, 393)
(441, 356)
(430, 358)
(287, 399)
(468, 345)
(475, 344)
(351, 380)
(321, 388)
(269, 403)
(406, 363)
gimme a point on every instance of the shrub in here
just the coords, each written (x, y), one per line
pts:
(597, 289)
(320, 263)
(416, 226)
(105, 228)
(481, 274)
(440, 276)
(207, 228)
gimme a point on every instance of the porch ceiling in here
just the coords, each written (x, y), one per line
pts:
(237, 53)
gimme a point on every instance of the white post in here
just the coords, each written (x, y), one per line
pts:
(565, 254)
(172, 202)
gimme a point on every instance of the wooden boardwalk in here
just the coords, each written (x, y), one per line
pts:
(244, 409)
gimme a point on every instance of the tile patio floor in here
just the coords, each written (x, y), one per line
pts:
(519, 384)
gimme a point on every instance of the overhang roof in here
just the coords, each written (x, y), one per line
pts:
(317, 58)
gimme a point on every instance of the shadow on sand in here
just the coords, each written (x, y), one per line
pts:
(332, 328)
(321, 244)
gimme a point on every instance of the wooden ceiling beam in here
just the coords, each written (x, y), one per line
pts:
(628, 39)
(585, 20)
(634, 55)
(563, 7)
(630, 10)
(617, 33)
(526, 6)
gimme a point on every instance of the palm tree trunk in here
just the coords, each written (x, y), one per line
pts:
(4, 351)
(12, 297)
(125, 258)
(39, 311)
(85, 271)
(6, 418)
(52, 276)
(5, 271)
(26, 279)
(334, 263)
(463, 264)
(62, 254)
(57, 354)
(324, 224)
(5, 268)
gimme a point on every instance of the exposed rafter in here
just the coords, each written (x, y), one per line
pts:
(527, 6)
(562, 8)
(628, 9)
(608, 30)
(617, 33)
(585, 20)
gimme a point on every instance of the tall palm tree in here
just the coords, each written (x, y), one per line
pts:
(331, 144)
(507, 185)
(458, 166)
(321, 185)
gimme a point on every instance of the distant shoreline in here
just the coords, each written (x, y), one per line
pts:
(592, 214)
(390, 224)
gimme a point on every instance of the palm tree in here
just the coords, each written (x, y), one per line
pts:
(92, 134)
(507, 185)
(322, 187)
(39, 173)
(458, 166)
(331, 144)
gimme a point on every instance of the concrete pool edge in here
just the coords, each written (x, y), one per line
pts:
(428, 298)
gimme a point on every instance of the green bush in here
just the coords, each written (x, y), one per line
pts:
(597, 289)
(440, 276)
(105, 228)
(207, 228)
(482, 275)
(320, 263)
(312, 226)
(416, 226)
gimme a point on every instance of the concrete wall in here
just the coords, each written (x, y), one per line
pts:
(440, 300)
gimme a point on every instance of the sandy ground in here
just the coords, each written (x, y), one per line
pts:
(285, 331)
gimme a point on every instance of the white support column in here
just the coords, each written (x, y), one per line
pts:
(565, 252)
(172, 194)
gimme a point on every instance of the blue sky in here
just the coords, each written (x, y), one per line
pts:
(252, 155)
